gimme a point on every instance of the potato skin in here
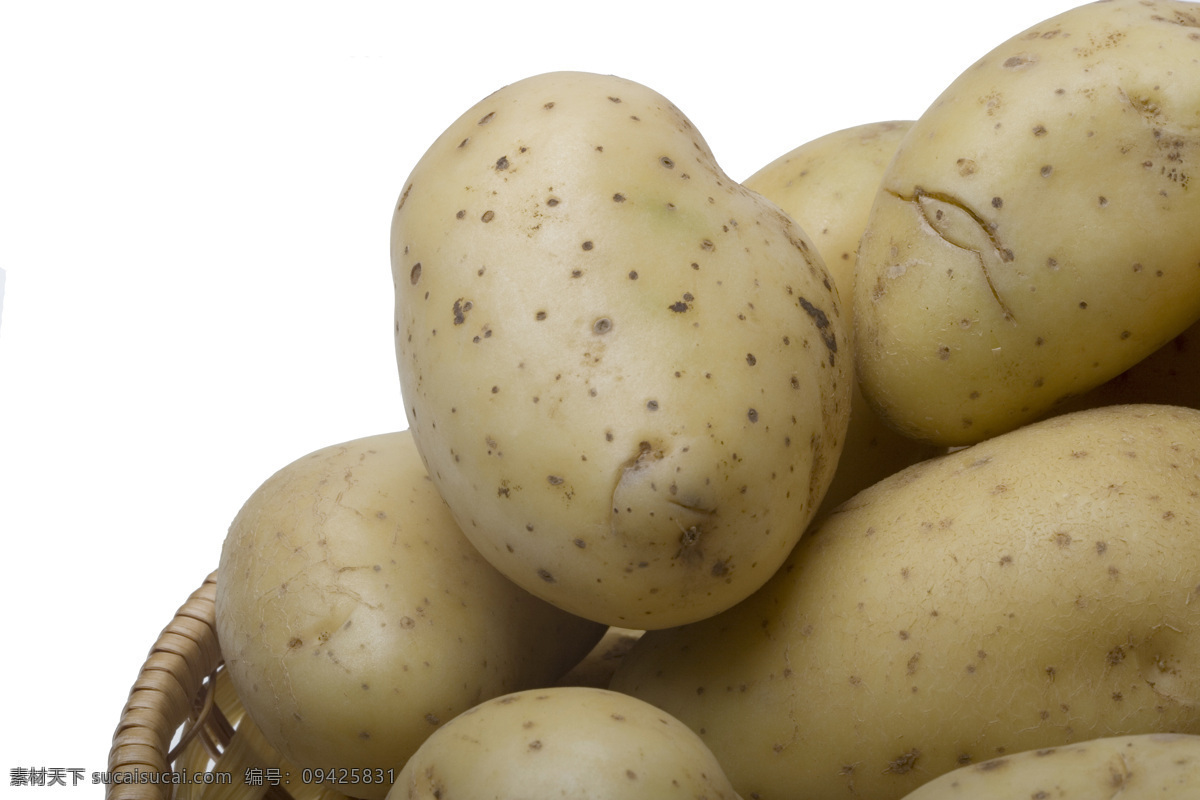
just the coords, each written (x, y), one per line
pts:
(828, 186)
(578, 742)
(1150, 766)
(1036, 589)
(1034, 235)
(626, 372)
(355, 618)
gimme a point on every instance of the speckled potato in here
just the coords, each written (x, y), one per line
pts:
(1035, 234)
(1033, 590)
(1152, 766)
(626, 373)
(355, 618)
(827, 186)
(1170, 375)
(577, 742)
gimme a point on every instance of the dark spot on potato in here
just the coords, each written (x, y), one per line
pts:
(824, 327)
(997, 202)
(904, 763)
(540, 316)
(652, 405)
(294, 642)
(461, 307)
(502, 163)
(545, 575)
(432, 719)
(750, 359)
(488, 216)
(618, 198)
(667, 162)
(414, 274)
(588, 245)
(752, 415)
(554, 480)
(602, 326)
(633, 276)
(1115, 656)
(1046, 171)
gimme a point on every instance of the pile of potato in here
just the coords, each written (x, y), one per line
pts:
(876, 475)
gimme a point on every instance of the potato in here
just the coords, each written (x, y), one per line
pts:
(1151, 766)
(355, 618)
(625, 372)
(1033, 590)
(828, 185)
(1170, 376)
(597, 667)
(577, 742)
(1035, 235)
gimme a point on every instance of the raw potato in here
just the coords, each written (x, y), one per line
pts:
(1036, 589)
(1152, 766)
(626, 373)
(1035, 234)
(827, 186)
(1170, 375)
(577, 742)
(597, 667)
(355, 618)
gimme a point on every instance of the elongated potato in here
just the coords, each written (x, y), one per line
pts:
(1150, 766)
(355, 618)
(563, 742)
(1169, 376)
(828, 186)
(1035, 234)
(626, 372)
(1036, 589)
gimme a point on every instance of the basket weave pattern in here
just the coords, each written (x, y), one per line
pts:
(183, 734)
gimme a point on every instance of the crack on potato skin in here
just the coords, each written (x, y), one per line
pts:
(987, 228)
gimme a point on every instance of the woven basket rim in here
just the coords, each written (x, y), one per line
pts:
(168, 697)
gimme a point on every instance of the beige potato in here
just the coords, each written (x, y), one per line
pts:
(828, 186)
(1035, 234)
(1151, 766)
(1033, 590)
(626, 373)
(578, 742)
(597, 667)
(355, 618)
(1170, 375)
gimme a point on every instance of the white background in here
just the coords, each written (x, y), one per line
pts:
(194, 211)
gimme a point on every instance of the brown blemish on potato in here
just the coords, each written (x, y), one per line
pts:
(903, 764)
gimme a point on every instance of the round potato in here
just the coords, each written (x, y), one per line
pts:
(828, 185)
(1150, 766)
(626, 373)
(355, 618)
(1033, 590)
(578, 742)
(1035, 235)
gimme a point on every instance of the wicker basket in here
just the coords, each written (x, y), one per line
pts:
(183, 733)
